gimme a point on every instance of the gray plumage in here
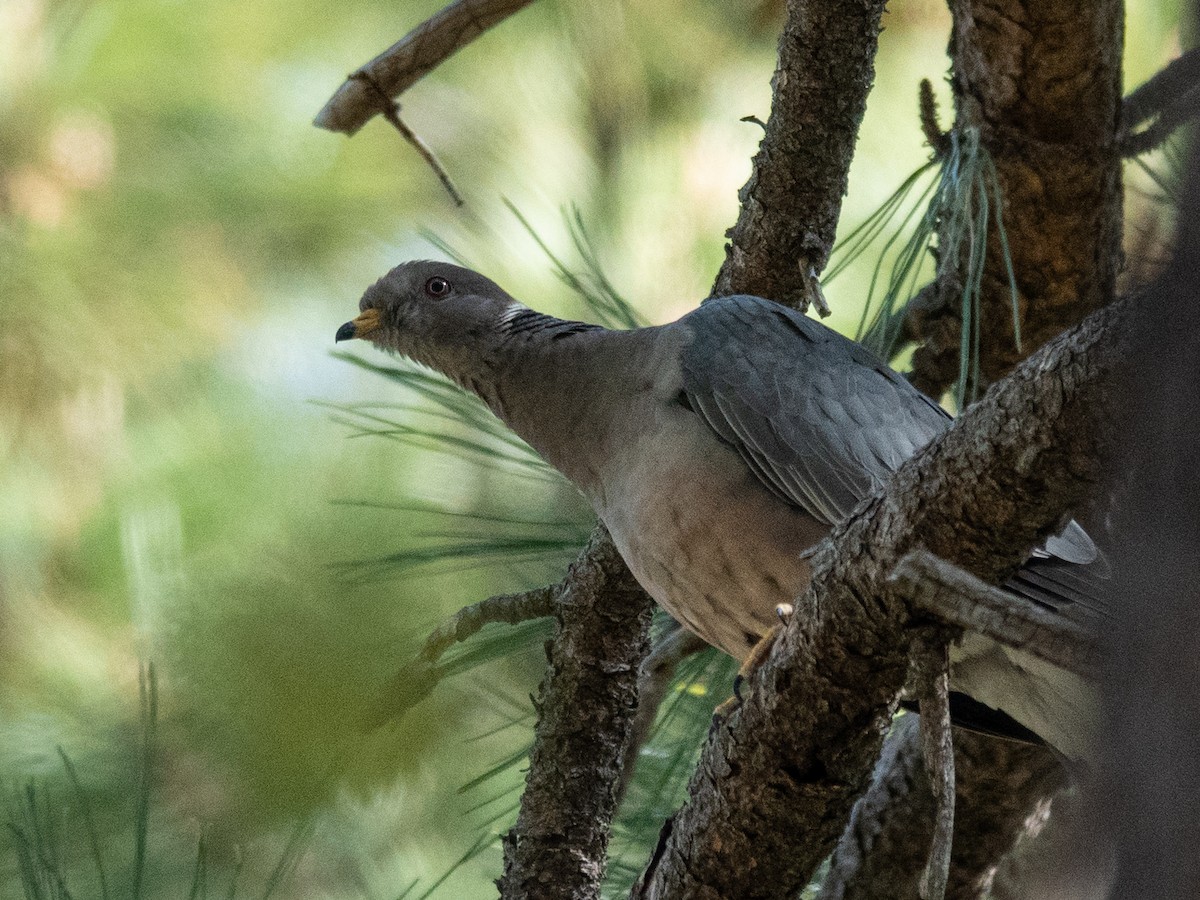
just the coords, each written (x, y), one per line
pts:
(717, 449)
(814, 414)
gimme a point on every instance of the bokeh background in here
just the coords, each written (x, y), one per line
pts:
(189, 475)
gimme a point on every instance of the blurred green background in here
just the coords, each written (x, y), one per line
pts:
(180, 481)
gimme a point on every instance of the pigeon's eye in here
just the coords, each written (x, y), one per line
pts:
(437, 287)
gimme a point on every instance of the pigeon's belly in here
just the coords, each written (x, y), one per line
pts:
(715, 548)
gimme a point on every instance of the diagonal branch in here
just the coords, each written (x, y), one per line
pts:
(874, 832)
(510, 609)
(1177, 113)
(654, 680)
(799, 753)
(932, 658)
(893, 821)
(408, 60)
(790, 206)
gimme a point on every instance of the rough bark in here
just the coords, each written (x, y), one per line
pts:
(559, 845)
(959, 598)
(798, 754)
(892, 821)
(878, 856)
(1041, 80)
(790, 206)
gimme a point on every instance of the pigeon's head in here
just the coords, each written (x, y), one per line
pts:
(434, 312)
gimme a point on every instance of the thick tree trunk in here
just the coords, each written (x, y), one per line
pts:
(1041, 81)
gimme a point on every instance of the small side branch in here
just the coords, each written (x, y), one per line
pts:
(959, 598)
(891, 822)
(408, 60)
(414, 681)
(391, 112)
(1168, 100)
(938, 140)
(997, 782)
(506, 608)
(1177, 78)
(654, 679)
(372, 90)
(1183, 109)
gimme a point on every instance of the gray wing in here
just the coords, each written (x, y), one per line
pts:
(822, 422)
(814, 415)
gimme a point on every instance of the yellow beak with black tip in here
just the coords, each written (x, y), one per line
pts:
(361, 327)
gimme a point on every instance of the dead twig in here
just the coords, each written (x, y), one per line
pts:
(408, 60)
(1178, 77)
(1181, 110)
(391, 112)
(1167, 101)
(938, 140)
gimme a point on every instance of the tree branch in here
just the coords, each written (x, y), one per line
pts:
(1165, 87)
(790, 206)
(958, 597)
(414, 681)
(510, 609)
(391, 112)
(892, 820)
(1179, 112)
(797, 755)
(932, 656)
(891, 826)
(588, 699)
(654, 680)
(1040, 81)
(409, 59)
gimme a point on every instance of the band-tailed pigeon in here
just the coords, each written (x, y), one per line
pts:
(717, 449)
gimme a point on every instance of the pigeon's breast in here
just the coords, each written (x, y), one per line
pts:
(704, 538)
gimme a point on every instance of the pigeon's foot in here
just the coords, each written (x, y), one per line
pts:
(752, 663)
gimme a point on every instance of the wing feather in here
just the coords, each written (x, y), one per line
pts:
(822, 423)
(814, 415)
